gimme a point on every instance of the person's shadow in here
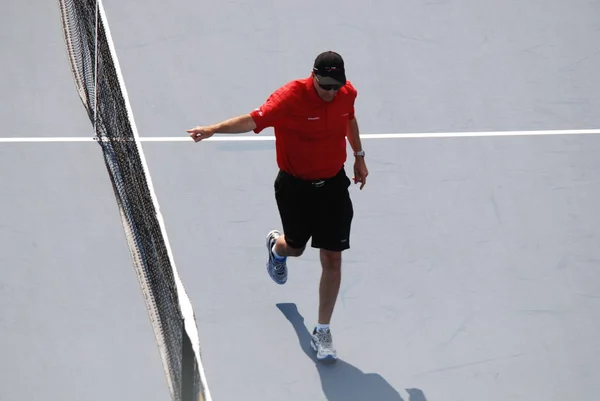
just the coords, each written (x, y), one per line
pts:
(342, 381)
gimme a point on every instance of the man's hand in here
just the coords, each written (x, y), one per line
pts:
(360, 171)
(235, 125)
(200, 133)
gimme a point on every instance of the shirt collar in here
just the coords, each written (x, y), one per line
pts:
(310, 89)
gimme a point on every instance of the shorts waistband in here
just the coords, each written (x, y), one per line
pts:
(318, 183)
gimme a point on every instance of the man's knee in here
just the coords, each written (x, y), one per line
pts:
(296, 251)
(294, 248)
(331, 259)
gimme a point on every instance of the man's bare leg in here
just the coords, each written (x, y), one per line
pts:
(331, 275)
(329, 286)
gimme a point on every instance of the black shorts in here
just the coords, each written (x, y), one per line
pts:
(319, 209)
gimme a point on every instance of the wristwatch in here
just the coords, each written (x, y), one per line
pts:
(359, 153)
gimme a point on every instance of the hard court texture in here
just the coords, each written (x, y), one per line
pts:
(473, 273)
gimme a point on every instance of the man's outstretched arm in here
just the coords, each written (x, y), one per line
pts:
(235, 125)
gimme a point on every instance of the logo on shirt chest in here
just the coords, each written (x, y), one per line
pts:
(311, 118)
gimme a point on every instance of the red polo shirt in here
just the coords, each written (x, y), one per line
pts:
(310, 133)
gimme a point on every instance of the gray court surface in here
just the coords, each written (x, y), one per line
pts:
(473, 273)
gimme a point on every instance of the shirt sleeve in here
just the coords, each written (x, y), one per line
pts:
(273, 110)
(353, 95)
(351, 113)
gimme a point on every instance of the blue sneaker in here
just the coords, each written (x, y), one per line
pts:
(277, 269)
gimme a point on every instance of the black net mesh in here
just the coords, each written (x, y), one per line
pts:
(95, 70)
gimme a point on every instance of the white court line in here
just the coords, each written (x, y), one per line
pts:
(245, 138)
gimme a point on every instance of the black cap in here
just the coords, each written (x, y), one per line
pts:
(329, 66)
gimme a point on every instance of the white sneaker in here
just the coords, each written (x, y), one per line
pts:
(322, 344)
(277, 269)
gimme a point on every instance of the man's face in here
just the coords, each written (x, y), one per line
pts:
(326, 92)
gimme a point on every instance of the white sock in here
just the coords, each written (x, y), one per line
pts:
(276, 255)
(321, 327)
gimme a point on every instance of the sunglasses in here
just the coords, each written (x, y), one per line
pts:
(328, 87)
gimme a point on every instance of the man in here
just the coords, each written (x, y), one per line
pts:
(311, 117)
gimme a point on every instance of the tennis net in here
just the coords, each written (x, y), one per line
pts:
(100, 86)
